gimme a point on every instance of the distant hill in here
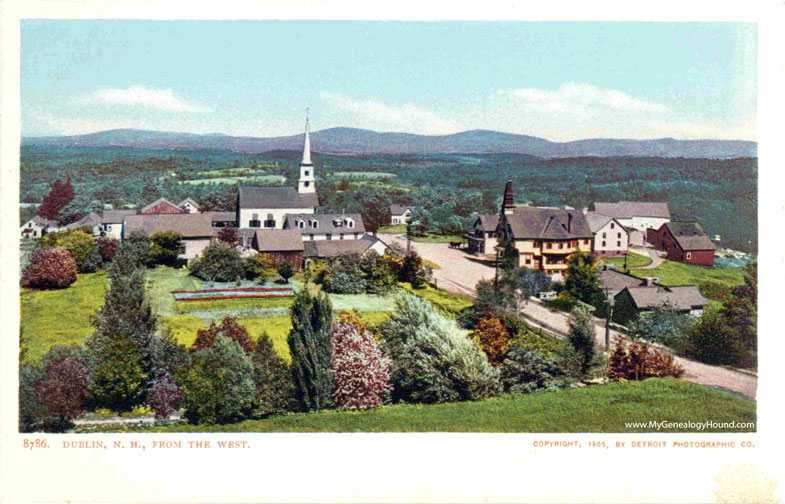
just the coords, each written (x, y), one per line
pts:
(358, 141)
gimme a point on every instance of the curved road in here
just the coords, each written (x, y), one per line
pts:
(459, 273)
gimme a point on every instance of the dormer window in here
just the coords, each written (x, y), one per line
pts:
(337, 222)
(314, 223)
(301, 224)
(350, 223)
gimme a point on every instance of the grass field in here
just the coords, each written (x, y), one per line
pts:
(673, 273)
(246, 179)
(60, 317)
(449, 302)
(362, 175)
(633, 260)
(393, 228)
(604, 408)
(233, 304)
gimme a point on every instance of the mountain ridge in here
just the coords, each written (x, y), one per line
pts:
(346, 140)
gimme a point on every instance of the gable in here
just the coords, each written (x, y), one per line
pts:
(161, 206)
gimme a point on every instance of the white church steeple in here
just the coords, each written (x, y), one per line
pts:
(307, 182)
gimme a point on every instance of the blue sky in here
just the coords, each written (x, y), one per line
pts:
(561, 81)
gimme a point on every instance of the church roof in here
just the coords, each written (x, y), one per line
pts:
(509, 200)
(275, 197)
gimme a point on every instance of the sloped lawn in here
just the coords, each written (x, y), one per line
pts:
(674, 273)
(603, 408)
(633, 260)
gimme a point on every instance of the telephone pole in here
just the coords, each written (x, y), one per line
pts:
(608, 320)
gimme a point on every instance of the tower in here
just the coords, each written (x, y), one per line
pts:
(307, 183)
(508, 204)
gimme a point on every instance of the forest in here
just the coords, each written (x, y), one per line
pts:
(450, 189)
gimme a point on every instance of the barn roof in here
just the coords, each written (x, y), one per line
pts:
(690, 235)
(275, 197)
(682, 298)
(160, 201)
(547, 224)
(630, 209)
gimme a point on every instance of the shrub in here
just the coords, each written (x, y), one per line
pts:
(62, 389)
(164, 397)
(219, 262)
(311, 351)
(712, 340)
(229, 328)
(117, 380)
(318, 272)
(664, 324)
(33, 415)
(638, 361)
(493, 338)
(285, 271)
(49, 269)
(353, 318)
(218, 384)
(433, 361)
(346, 277)
(581, 336)
(715, 290)
(167, 355)
(273, 378)
(165, 247)
(412, 270)
(380, 272)
(525, 370)
(260, 266)
(92, 262)
(362, 371)
(80, 244)
(107, 247)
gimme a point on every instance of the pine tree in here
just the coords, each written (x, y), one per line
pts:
(273, 378)
(581, 336)
(311, 351)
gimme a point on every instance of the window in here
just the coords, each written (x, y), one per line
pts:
(689, 255)
(561, 245)
(603, 235)
(618, 235)
(350, 223)
(306, 184)
(315, 224)
(181, 249)
(341, 236)
(269, 223)
(611, 225)
(356, 235)
(528, 260)
(603, 244)
(548, 245)
(311, 237)
(301, 224)
(255, 223)
(618, 244)
(307, 172)
(328, 236)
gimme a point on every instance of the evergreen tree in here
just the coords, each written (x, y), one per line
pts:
(581, 336)
(273, 378)
(117, 380)
(583, 279)
(311, 350)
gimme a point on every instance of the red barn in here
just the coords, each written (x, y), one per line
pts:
(161, 206)
(684, 242)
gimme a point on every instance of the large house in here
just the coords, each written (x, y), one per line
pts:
(401, 214)
(610, 237)
(630, 300)
(196, 230)
(683, 242)
(640, 215)
(545, 237)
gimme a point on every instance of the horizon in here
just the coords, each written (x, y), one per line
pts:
(562, 81)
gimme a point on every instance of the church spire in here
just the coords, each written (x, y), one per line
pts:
(307, 144)
(508, 204)
(307, 182)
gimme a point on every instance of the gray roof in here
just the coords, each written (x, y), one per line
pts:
(115, 216)
(682, 298)
(547, 224)
(690, 235)
(275, 197)
(488, 222)
(328, 223)
(196, 225)
(332, 248)
(43, 222)
(616, 281)
(158, 202)
(89, 220)
(630, 209)
(397, 209)
(222, 216)
(277, 240)
(597, 221)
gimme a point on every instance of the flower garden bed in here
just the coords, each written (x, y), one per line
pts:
(237, 293)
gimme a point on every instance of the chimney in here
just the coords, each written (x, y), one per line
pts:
(508, 204)
(569, 222)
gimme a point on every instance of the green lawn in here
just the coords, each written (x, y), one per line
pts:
(673, 273)
(603, 408)
(436, 238)
(60, 317)
(161, 281)
(393, 228)
(446, 301)
(633, 260)
(233, 304)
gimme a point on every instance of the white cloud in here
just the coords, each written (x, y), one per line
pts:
(140, 96)
(378, 115)
(583, 100)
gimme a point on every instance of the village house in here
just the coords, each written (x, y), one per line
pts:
(611, 239)
(683, 242)
(282, 245)
(614, 281)
(326, 226)
(545, 237)
(188, 205)
(112, 222)
(631, 300)
(266, 207)
(482, 234)
(37, 227)
(640, 215)
(323, 249)
(401, 214)
(195, 230)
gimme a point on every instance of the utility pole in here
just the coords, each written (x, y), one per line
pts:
(608, 321)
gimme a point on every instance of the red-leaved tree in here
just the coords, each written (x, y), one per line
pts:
(107, 248)
(638, 361)
(164, 397)
(59, 196)
(362, 371)
(229, 235)
(493, 338)
(49, 269)
(229, 328)
(63, 389)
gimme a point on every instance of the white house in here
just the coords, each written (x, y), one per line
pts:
(326, 226)
(610, 237)
(188, 205)
(640, 215)
(266, 207)
(333, 248)
(401, 214)
(37, 227)
(112, 222)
